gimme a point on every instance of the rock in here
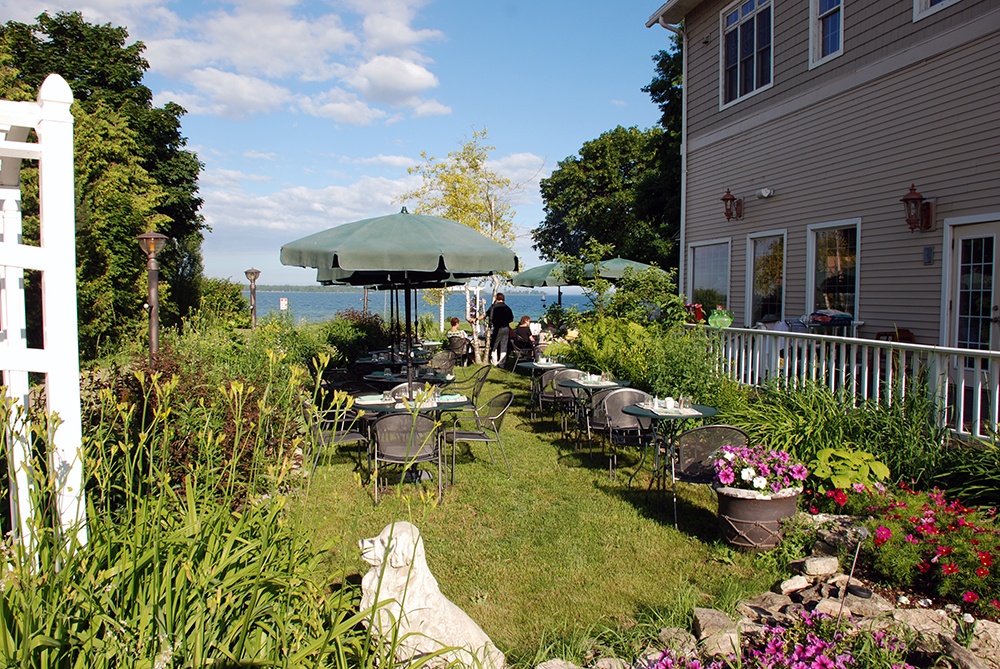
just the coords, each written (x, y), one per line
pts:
(809, 596)
(830, 607)
(794, 584)
(986, 642)
(612, 663)
(678, 640)
(648, 660)
(821, 566)
(925, 622)
(763, 606)
(964, 658)
(869, 607)
(557, 664)
(709, 621)
(716, 632)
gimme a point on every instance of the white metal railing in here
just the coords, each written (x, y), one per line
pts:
(963, 383)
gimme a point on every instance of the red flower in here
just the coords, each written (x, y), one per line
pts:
(813, 510)
(985, 558)
(949, 568)
(995, 603)
(924, 567)
(840, 497)
(944, 551)
(982, 572)
(974, 542)
(882, 535)
(970, 597)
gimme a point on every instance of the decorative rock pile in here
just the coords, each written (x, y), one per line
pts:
(819, 586)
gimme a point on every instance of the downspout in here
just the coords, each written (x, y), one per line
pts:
(682, 251)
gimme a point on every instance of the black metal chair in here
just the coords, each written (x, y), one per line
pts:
(405, 439)
(692, 455)
(333, 427)
(409, 390)
(442, 362)
(488, 421)
(554, 395)
(624, 429)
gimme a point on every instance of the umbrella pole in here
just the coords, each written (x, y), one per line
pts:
(559, 294)
(409, 359)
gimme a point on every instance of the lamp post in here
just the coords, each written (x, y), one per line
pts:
(252, 275)
(151, 244)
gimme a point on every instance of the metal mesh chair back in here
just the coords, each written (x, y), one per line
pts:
(597, 415)
(551, 379)
(618, 399)
(405, 438)
(696, 450)
(409, 390)
(442, 362)
(496, 410)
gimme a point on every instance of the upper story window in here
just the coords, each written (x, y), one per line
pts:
(746, 46)
(826, 36)
(922, 8)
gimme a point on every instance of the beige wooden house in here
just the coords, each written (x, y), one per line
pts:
(817, 116)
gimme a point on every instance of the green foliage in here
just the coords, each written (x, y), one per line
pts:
(841, 468)
(647, 296)
(133, 173)
(224, 301)
(609, 193)
(353, 333)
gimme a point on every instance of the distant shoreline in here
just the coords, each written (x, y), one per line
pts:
(353, 290)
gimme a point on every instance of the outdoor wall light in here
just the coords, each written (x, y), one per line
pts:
(919, 211)
(151, 244)
(252, 275)
(734, 206)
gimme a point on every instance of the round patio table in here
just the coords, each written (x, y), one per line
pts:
(537, 369)
(672, 422)
(583, 391)
(396, 378)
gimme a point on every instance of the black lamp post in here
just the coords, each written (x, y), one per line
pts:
(252, 276)
(151, 244)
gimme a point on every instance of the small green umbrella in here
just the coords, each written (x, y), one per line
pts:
(549, 274)
(614, 269)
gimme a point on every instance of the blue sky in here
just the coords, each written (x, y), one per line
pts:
(307, 114)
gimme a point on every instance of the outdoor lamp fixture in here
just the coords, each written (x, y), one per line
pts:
(151, 244)
(734, 206)
(252, 276)
(919, 212)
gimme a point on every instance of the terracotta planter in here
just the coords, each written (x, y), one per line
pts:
(748, 519)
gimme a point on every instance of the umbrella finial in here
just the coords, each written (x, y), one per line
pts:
(403, 211)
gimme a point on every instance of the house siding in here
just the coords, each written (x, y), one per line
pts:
(935, 123)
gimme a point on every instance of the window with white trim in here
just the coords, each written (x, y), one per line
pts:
(924, 8)
(746, 49)
(709, 284)
(767, 278)
(833, 267)
(827, 30)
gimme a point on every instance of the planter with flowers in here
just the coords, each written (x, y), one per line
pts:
(757, 488)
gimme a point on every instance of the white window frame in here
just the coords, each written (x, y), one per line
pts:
(722, 58)
(728, 242)
(811, 231)
(748, 298)
(816, 56)
(922, 8)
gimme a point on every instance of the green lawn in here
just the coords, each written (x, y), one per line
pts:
(555, 553)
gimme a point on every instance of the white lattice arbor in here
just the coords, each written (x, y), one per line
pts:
(55, 259)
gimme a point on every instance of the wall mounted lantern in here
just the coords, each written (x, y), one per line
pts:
(151, 244)
(252, 275)
(919, 211)
(734, 206)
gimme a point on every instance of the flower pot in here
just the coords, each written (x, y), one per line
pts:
(748, 519)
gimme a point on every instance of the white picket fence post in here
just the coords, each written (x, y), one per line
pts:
(55, 259)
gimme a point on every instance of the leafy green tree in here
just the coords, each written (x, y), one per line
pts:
(595, 196)
(136, 148)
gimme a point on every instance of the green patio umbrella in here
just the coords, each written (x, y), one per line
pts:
(401, 250)
(614, 268)
(549, 274)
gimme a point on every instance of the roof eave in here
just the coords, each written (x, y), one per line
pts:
(672, 12)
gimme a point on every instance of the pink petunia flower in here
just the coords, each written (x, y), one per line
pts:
(970, 597)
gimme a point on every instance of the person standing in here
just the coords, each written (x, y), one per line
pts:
(500, 316)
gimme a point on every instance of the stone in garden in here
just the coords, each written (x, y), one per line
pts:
(821, 566)
(763, 607)
(830, 607)
(986, 641)
(809, 596)
(647, 660)
(925, 622)
(678, 640)
(794, 584)
(407, 592)
(869, 607)
(557, 664)
(961, 657)
(716, 632)
(611, 663)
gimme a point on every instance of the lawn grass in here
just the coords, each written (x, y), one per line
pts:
(555, 554)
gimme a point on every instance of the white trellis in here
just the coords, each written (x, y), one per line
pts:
(55, 259)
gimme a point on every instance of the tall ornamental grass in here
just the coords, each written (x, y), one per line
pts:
(191, 560)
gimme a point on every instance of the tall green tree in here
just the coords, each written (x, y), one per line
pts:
(623, 188)
(595, 195)
(134, 147)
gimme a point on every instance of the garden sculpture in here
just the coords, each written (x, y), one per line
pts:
(399, 588)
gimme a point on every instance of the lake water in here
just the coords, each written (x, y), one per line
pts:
(318, 307)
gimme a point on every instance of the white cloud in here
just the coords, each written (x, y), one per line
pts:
(216, 178)
(392, 33)
(430, 108)
(234, 95)
(392, 80)
(382, 159)
(340, 105)
(619, 103)
(258, 155)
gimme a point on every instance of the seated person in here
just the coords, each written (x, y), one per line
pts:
(523, 338)
(460, 344)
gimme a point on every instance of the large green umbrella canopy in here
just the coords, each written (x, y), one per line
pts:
(400, 249)
(549, 274)
(614, 268)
